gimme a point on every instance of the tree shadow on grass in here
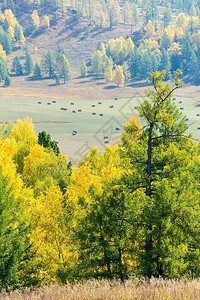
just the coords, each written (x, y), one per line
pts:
(138, 84)
(111, 87)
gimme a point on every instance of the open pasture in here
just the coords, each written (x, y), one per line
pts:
(79, 125)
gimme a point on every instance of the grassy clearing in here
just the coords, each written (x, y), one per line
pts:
(90, 124)
(157, 289)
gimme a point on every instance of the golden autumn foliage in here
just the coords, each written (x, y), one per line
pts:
(2, 52)
(45, 22)
(10, 17)
(108, 74)
(149, 28)
(118, 76)
(35, 19)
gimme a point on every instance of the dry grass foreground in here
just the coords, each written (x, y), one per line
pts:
(157, 289)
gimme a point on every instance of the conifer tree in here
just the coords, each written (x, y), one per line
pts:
(83, 70)
(37, 71)
(16, 66)
(28, 66)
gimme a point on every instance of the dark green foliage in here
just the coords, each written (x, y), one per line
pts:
(7, 81)
(5, 40)
(49, 64)
(167, 15)
(16, 66)
(28, 66)
(3, 69)
(45, 140)
(17, 32)
(37, 71)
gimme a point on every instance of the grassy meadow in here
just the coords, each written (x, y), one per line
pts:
(157, 289)
(92, 119)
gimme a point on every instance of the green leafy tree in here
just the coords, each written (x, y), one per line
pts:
(13, 242)
(161, 165)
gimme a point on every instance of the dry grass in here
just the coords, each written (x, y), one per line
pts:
(132, 289)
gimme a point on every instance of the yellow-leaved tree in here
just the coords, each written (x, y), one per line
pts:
(2, 52)
(108, 74)
(118, 76)
(24, 135)
(35, 19)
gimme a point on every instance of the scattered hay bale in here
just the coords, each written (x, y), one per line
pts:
(101, 115)
(111, 106)
(99, 102)
(39, 102)
(53, 101)
(93, 113)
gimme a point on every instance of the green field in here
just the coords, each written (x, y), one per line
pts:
(90, 128)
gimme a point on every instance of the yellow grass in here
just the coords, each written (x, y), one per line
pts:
(157, 289)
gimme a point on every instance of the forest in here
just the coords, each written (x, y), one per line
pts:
(164, 35)
(131, 211)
